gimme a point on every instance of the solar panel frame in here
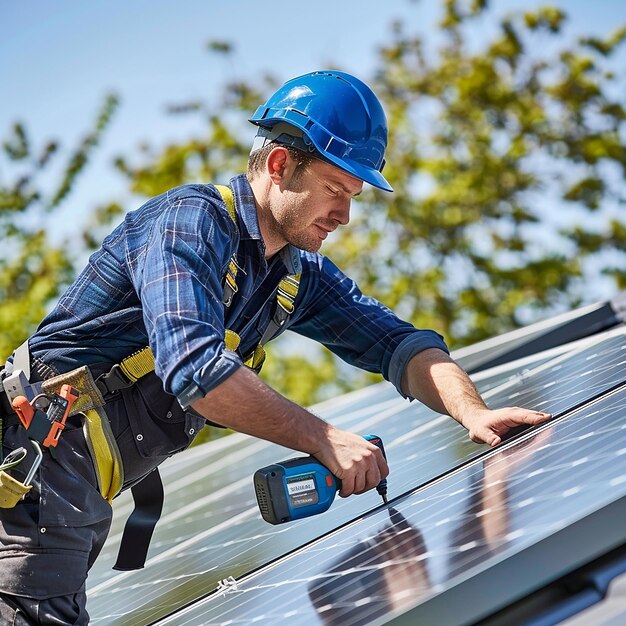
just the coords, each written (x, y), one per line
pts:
(552, 332)
(585, 596)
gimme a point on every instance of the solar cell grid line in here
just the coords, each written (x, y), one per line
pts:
(247, 545)
(595, 367)
(485, 380)
(557, 386)
(443, 535)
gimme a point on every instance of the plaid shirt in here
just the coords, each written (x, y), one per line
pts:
(157, 280)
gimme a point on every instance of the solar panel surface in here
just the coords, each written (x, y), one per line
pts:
(441, 535)
(211, 528)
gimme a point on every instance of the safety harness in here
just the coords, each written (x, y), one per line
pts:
(285, 298)
(147, 493)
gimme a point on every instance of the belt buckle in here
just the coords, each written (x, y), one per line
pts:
(112, 381)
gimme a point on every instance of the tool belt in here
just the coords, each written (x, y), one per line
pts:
(95, 389)
(89, 404)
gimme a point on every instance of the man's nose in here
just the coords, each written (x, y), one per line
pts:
(342, 213)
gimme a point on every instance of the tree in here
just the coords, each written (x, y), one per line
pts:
(486, 143)
(502, 159)
(506, 158)
(35, 262)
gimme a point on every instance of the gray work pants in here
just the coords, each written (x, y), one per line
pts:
(49, 540)
(58, 611)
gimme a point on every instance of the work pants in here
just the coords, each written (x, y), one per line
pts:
(57, 611)
(49, 540)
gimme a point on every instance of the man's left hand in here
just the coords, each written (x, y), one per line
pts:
(489, 426)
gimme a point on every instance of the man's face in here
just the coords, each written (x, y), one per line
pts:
(312, 204)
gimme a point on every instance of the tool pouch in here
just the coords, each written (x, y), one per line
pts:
(11, 490)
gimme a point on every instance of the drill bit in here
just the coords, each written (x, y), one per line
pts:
(382, 490)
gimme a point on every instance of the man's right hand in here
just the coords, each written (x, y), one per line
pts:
(358, 463)
(246, 404)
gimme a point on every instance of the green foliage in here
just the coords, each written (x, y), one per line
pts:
(501, 155)
(484, 144)
(33, 266)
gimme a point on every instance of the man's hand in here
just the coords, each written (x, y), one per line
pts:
(436, 380)
(359, 464)
(489, 426)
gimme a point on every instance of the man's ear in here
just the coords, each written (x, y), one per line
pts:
(279, 165)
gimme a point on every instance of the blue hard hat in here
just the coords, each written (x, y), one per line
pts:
(335, 117)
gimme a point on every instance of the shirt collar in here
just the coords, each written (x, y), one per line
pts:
(249, 222)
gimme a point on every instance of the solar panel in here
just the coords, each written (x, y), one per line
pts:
(211, 528)
(540, 336)
(511, 507)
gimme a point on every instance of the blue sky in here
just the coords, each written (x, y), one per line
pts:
(58, 59)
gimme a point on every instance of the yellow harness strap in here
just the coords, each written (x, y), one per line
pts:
(287, 292)
(229, 200)
(138, 364)
(230, 287)
(232, 340)
(141, 362)
(103, 448)
(96, 427)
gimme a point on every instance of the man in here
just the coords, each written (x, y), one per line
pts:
(204, 276)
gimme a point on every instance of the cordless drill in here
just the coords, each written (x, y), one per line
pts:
(301, 487)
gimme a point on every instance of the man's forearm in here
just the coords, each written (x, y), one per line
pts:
(434, 379)
(246, 404)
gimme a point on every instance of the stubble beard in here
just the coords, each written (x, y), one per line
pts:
(290, 228)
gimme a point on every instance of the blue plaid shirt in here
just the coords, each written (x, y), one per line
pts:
(157, 280)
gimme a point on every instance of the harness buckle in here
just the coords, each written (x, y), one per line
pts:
(112, 381)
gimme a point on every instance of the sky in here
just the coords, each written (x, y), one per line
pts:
(59, 59)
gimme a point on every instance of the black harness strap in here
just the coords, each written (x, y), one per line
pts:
(148, 497)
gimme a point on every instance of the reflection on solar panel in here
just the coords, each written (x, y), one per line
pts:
(211, 529)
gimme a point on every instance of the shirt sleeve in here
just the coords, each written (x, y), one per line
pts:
(180, 287)
(362, 331)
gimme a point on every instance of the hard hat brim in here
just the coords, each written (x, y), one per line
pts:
(366, 174)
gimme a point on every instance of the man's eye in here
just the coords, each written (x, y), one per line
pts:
(333, 191)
